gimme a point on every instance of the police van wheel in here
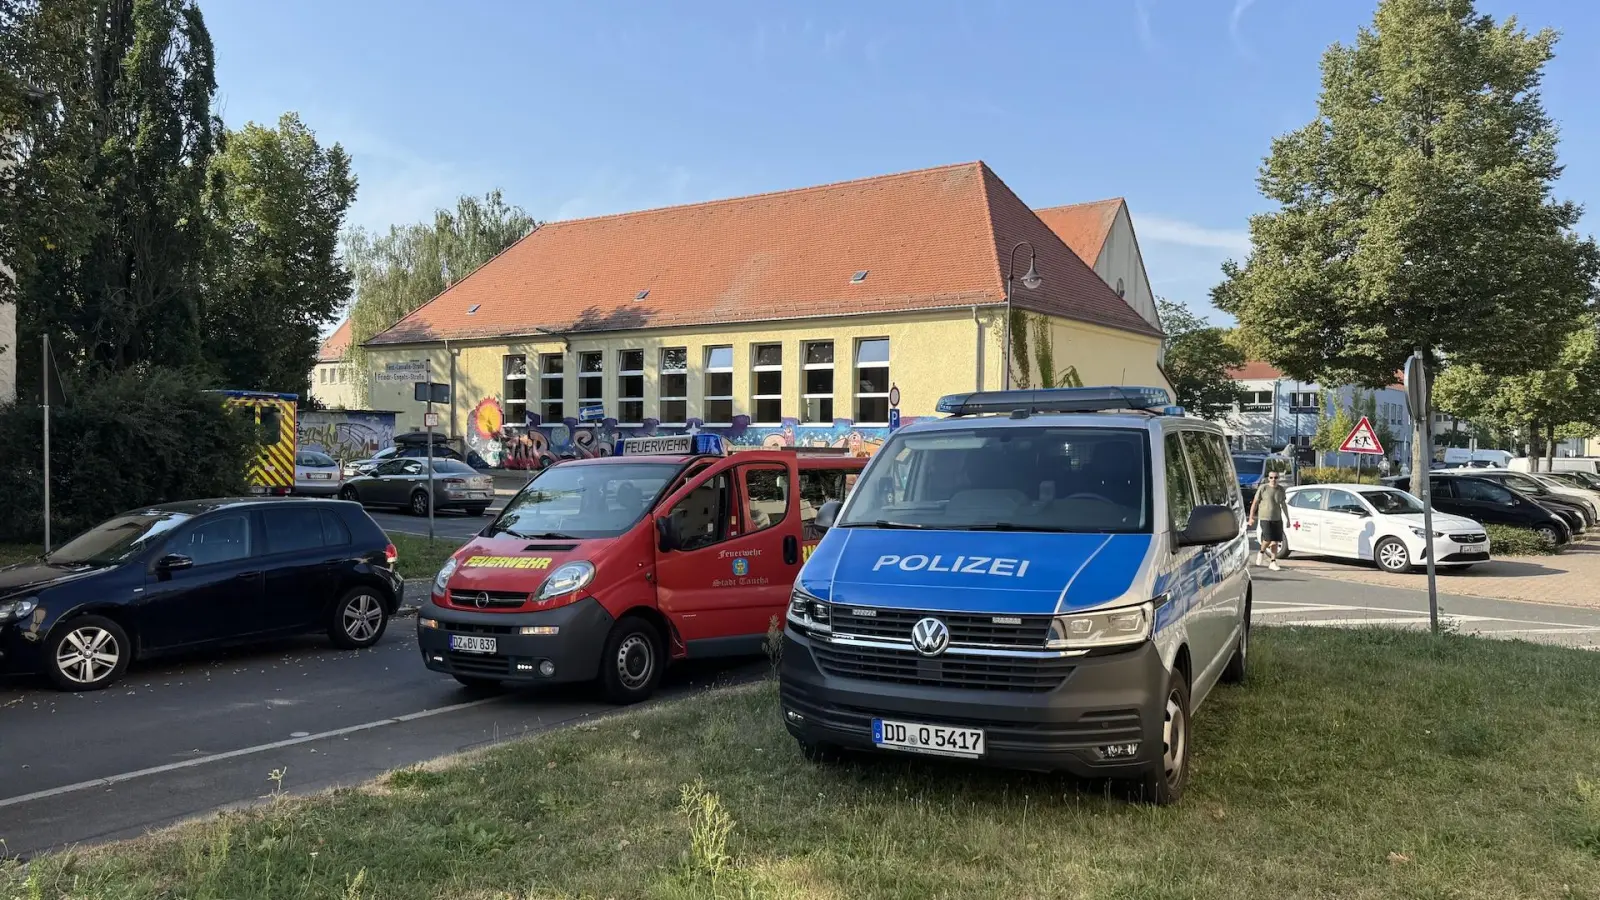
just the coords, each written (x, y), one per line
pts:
(631, 666)
(1165, 779)
(1238, 665)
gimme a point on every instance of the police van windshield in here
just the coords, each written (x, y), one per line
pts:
(1008, 479)
(584, 501)
(1247, 466)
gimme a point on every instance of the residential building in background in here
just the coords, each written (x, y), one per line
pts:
(795, 318)
(335, 383)
(1101, 234)
(1277, 412)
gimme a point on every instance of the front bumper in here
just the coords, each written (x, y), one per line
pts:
(19, 650)
(1103, 700)
(574, 650)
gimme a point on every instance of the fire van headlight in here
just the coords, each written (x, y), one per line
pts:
(1101, 628)
(566, 579)
(443, 578)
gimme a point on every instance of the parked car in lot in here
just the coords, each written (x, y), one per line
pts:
(1578, 479)
(316, 474)
(1381, 524)
(1571, 505)
(411, 445)
(196, 574)
(1491, 503)
(404, 483)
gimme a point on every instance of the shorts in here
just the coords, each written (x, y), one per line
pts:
(1271, 531)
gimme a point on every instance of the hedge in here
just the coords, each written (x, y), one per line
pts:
(1508, 540)
(120, 442)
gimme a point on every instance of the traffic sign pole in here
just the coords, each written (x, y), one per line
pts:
(428, 420)
(1416, 378)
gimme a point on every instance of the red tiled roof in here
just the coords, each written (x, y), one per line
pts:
(930, 239)
(1254, 371)
(1083, 226)
(332, 349)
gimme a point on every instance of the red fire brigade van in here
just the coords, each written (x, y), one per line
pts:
(608, 568)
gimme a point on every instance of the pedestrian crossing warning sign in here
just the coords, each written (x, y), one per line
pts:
(1362, 439)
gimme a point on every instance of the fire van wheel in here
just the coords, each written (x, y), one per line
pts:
(631, 666)
(1166, 777)
(1392, 556)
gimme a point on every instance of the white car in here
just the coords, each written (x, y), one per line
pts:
(316, 474)
(1379, 523)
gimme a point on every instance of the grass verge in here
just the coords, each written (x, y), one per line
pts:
(15, 553)
(418, 557)
(1356, 764)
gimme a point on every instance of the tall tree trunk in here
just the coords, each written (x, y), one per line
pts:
(1550, 448)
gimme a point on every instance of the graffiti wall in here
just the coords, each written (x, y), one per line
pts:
(345, 435)
(540, 444)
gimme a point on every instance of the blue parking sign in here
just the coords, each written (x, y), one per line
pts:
(894, 419)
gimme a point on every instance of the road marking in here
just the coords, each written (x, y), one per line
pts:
(234, 754)
(1354, 623)
(1573, 629)
(1291, 607)
(1257, 610)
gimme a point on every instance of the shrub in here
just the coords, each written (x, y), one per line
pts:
(1508, 540)
(123, 441)
(1337, 475)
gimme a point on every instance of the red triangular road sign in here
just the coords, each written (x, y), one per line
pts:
(1362, 439)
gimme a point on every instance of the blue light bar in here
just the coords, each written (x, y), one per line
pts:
(672, 445)
(1058, 400)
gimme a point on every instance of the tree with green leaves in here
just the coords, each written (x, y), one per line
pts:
(1199, 362)
(277, 201)
(397, 272)
(1415, 211)
(1542, 406)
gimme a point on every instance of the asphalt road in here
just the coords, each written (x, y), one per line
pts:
(451, 525)
(179, 739)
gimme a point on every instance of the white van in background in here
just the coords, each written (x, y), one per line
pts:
(1461, 457)
(1589, 464)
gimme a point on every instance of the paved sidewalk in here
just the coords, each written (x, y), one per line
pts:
(1571, 578)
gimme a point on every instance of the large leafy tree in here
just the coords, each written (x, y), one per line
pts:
(399, 271)
(1415, 211)
(1199, 359)
(277, 201)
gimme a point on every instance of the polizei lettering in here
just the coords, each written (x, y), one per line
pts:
(964, 565)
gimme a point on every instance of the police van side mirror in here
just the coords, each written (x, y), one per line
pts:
(827, 514)
(1209, 525)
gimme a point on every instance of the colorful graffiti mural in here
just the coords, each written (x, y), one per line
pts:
(344, 435)
(541, 444)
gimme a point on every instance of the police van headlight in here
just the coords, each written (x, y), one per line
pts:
(566, 579)
(809, 612)
(1101, 628)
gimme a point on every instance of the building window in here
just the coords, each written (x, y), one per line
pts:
(872, 382)
(630, 387)
(552, 387)
(591, 379)
(344, 375)
(767, 374)
(816, 407)
(674, 387)
(719, 386)
(323, 375)
(1256, 401)
(1305, 401)
(516, 388)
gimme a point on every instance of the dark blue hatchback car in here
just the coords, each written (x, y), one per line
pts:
(196, 574)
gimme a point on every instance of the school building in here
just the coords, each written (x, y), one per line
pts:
(802, 318)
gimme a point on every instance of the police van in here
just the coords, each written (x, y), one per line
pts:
(1049, 580)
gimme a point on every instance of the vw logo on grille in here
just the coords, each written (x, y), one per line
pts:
(930, 636)
(481, 601)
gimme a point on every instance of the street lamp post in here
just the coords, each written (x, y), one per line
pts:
(1030, 280)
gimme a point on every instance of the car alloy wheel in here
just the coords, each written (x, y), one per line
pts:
(349, 493)
(1393, 556)
(363, 616)
(88, 655)
(419, 504)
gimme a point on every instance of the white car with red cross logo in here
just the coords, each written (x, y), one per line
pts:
(1378, 523)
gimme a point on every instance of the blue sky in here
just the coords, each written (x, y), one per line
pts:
(588, 108)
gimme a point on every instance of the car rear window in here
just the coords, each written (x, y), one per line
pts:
(453, 466)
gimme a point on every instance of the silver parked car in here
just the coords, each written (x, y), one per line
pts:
(404, 483)
(316, 474)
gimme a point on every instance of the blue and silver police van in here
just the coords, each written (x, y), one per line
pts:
(1048, 580)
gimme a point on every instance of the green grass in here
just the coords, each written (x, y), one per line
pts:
(15, 553)
(1355, 764)
(418, 557)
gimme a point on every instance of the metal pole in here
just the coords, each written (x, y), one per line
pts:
(44, 394)
(1005, 377)
(1426, 481)
(427, 421)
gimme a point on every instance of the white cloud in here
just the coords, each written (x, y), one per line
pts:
(1165, 230)
(1235, 19)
